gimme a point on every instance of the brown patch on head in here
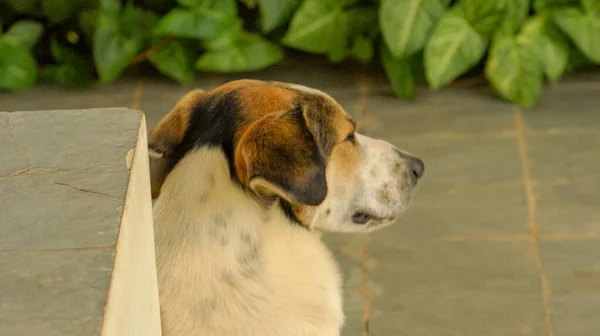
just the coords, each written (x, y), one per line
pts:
(277, 138)
(278, 157)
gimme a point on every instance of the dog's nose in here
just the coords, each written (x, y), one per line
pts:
(417, 167)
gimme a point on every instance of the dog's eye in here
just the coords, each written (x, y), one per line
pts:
(351, 138)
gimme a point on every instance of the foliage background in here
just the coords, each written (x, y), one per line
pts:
(517, 44)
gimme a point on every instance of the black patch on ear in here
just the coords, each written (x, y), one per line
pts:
(212, 123)
(299, 152)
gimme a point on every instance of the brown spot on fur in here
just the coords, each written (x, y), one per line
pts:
(281, 152)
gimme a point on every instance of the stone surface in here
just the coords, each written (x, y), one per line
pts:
(432, 288)
(73, 192)
(68, 157)
(449, 209)
(568, 206)
(570, 155)
(54, 293)
(573, 274)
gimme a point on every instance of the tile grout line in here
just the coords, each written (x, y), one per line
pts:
(517, 237)
(530, 199)
(65, 249)
(138, 95)
(362, 84)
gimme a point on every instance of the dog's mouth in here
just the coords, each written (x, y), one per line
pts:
(364, 218)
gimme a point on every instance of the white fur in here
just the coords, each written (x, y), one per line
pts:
(382, 186)
(227, 266)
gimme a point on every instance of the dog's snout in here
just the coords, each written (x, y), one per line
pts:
(417, 167)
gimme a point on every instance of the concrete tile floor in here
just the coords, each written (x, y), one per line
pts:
(503, 237)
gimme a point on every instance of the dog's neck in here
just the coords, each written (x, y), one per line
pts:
(200, 204)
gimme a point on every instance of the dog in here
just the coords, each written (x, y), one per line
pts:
(245, 179)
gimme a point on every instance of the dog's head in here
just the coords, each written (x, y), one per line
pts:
(294, 145)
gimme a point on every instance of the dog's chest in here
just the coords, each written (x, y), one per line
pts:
(234, 274)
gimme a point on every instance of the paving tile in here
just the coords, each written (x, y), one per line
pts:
(449, 113)
(564, 156)
(447, 209)
(40, 289)
(74, 217)
(71, 172)
(468, 159)
(11, 156)
(46, 140)
(569, 106)
(155, 106)
(572, 269)
(442, 268)
(44, 97)
(469, 288)
(568, 205)
(435, 315)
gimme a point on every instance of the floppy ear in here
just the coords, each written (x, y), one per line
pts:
(279, 157)
(167, 136)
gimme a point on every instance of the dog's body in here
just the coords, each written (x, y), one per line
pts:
(227, 266)
(240, 208)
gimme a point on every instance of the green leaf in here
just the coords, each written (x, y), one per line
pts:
(250, 3)
(60, 10)
(399, 74)
(515, 12)
(514, 71)
(341, 3)
(66, 75)
(18, 69)
(576, 60)
(24, 6)
(453, 48)
(549, 45)
(88, 22)
(200, 23)
(274, 13)
(250, 52)
(406, 24)
(543, 5)
(113, 50)
(118, 38)
(362, 49)
(225, 39)
(582, 28)
(110, 6)
(174, 60)
(363, 20)
(136, 21)
(339, 46)
(591, 6)
(316, 26)
(63, 54)
(483, 15)
(191, 3)
(24, 32)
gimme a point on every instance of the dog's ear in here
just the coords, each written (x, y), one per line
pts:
(167, 136)
(280, 157)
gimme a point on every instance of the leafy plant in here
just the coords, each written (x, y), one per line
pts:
(517, 43)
